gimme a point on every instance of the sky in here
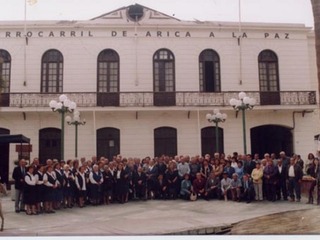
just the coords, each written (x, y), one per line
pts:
(272, 11)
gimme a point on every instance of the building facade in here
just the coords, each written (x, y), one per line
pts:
(144, 81)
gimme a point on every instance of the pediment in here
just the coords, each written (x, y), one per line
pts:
(135, 13)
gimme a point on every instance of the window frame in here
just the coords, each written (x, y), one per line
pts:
(160, 72)
(5, 70)
(270, 59)
(108, 75)
(52, 68)
(216, 70)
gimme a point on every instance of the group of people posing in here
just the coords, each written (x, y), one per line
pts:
(55, 185)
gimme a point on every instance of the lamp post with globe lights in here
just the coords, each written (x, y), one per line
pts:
(62, 107)
(242, 104)
(76, 121)
(216, 117)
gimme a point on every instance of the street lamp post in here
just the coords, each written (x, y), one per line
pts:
(242, 104)
(216, 118)
(76, 121)
(63, 106)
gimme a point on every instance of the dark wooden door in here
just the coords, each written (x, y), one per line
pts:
(165, 141)
(49, 144)
(4, 158)
(208, 141)
(108, 142)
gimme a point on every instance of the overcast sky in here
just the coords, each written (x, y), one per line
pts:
(281, 11)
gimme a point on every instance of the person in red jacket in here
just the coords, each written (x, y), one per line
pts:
(199, 185)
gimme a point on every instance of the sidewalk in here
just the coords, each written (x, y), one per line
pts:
(152, 217)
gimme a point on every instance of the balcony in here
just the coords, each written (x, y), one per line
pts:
(150, 99)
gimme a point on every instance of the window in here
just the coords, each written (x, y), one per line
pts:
(209, 71)
(108, 71)
(268, 71)
(5, 71)
(269, 78)
(164, 71)
(52, 72)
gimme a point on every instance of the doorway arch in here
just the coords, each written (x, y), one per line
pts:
(49, 144)
(165, 141)
(108, 142)
(208, 141)
(271, 139)
(4, 158)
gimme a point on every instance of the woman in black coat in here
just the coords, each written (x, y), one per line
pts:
(121, 177)
(172, 177)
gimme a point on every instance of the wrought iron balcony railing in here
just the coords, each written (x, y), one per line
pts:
(150, 99)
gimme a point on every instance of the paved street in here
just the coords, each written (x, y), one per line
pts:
(293, 222)
(141, 218)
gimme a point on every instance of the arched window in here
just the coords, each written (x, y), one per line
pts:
(165, 141)
(164, 78)
(163, 71)
(5, 70)
(108, 71)
(268, 78)
(209, 71)
(52, 72)
(5, 75)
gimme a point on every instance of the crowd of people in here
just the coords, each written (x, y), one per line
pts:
(65, 184)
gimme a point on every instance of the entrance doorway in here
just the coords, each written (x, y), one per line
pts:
(4, 158)
(165, 141)
(49, 144)
(108, 142)
(208, 141)
(271, 139)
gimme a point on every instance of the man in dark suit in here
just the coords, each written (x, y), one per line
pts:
(249, 164)
(247, 190)
(18, 175)
(140, 183)
(281, 180)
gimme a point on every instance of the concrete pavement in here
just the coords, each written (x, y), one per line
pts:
(151, 217)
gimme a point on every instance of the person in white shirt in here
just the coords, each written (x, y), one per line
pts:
(81, 183)
(50, 181)
(225, 186)
(30, 191)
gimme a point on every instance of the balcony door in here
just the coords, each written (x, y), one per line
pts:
(164, 78)
(269, 78)
(5, 74)
(108, 78)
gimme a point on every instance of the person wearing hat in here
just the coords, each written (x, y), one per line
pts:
(225, 184)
